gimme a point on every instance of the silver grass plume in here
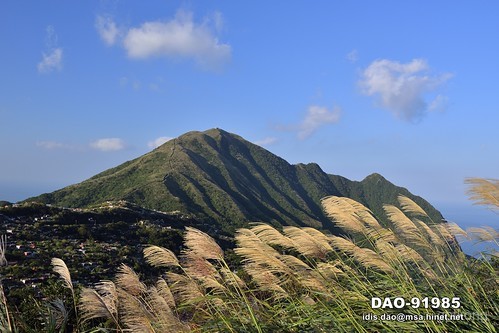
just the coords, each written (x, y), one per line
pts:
(128, 280)
(59, 267)
(165, 292)
(405, 228)
(306, 244)
(184, 289)
(101, 302)
(484, 191)
(271, 236)
(158, 256)
(350, 215)
(202, 244)
(409, 206)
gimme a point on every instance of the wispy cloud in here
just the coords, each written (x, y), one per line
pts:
(439, 103)
(52, 57)
(158, 141)
(402, 88)
(179, 37)
(51, 145)
(108, 144)
(51, 61)
(135, 84)
(107, 29)
(352, 56)
(316, 117)
(266, 141)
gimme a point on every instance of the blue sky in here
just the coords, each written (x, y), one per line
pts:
(407, 89)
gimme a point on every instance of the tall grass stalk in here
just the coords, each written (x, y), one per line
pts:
(303, 280)
(6, 323)
(59, 267)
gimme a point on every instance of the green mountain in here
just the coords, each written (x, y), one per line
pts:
(221, 178)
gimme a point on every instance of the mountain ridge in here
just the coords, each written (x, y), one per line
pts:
(220, 177)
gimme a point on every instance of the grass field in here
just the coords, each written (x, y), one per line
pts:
(300, 280)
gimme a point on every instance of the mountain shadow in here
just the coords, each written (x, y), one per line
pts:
(221, 178)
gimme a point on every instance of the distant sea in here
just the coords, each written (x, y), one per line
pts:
(467, 215)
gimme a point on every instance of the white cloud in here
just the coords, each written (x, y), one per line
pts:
(401, 88)
(353, 56)
(135, 84)
(218, 21)
(52, 58)
(179, 37)
(108, 144)
(439, 104)
(266, 141)
(128, 82)
(51, 61)
(158, 141)
(50, 144)
(107, 29)
(124, 81)
(316, 117)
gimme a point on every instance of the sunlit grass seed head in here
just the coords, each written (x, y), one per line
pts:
(254, 251)
(306, 244)
(484, 191)
(483, 234)
(370, 259)
(409, 206)
(444, 231)
(384, 234)
(329, 270)
(350, 215)
(201, 243)
(452, 229)
(101, 302)
(160, 257)
(59, 267)
(231, 278)
(135, 313)
(303, 274)
(196, 266)
(408, 254)
(319, 237)
(203, 271)
(434, 238)
(128, 280)
(266, 280)
(342, 244)
(387, 250)
(271, 236)
(164, 291)
(343, 213)
(246, 238)
(405, 228)
(264, 258)
(184, 289)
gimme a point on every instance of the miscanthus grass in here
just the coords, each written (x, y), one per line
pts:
(304, 280)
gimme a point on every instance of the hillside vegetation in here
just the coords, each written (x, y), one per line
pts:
(222, 178)
(298, 280)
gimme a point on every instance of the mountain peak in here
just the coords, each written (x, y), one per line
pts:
(223, 179)
(374, 176)
(216, 132)
(212, 132)
(213, 137)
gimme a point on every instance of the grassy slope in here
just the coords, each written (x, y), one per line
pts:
(220, 176)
